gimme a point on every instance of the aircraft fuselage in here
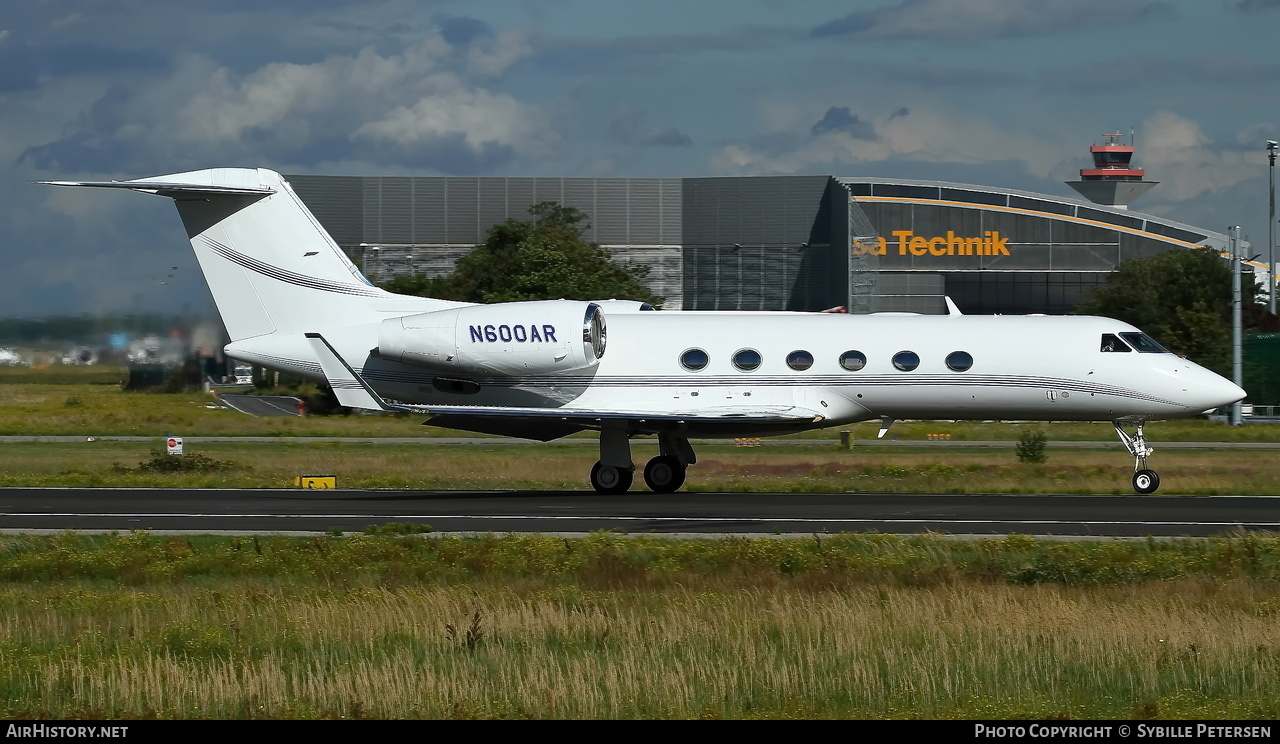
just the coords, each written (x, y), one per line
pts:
(1018, 367)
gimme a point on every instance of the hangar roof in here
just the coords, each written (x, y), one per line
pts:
(1028, 202)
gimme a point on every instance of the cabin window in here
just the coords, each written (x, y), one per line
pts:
(694, 360)
(906, 360)
(746, 359)
(1112, 342)
(1144, 343)
(959, 361)
(853, 360)
(799, 360)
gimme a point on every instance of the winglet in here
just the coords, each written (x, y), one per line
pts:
(352, 391)
(951, 307)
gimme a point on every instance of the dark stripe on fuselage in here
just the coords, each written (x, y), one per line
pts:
(288, 277)
(850, 382)
(533, 383)
(291, 365)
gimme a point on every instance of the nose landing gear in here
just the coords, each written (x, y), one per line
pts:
(1145, 480)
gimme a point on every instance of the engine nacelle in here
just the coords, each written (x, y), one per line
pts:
(510, 338)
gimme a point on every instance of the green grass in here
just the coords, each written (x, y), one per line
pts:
(33, 409)
(87, 401)
(838, 626)
(601, 560)
(58, 374)
(822, 467)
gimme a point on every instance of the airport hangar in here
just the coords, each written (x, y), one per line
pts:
(772, 242)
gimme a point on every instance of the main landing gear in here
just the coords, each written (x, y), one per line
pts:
(1145, 480)
(614, 471)
(611, 478)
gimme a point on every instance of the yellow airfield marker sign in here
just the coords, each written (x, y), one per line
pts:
(316, 481)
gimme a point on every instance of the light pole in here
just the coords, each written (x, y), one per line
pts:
(1272, 145)
(1237, 366)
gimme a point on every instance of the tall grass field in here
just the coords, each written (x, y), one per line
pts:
(843, 626)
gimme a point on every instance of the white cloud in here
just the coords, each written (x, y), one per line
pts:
(293, 116)
(491, 56)
(4, 34)
(1176, 152)
(924, 134)
(283, 93)
(481, 118)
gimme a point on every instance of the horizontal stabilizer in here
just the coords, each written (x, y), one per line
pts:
(166, 188)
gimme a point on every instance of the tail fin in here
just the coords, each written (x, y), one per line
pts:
(269, 263)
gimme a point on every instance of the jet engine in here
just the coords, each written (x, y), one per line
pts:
(510, 338)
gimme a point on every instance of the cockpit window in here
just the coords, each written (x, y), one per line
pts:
(1111, 342)
(1144, 343)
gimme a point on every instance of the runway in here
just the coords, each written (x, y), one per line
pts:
(443, 441)
(226, 510)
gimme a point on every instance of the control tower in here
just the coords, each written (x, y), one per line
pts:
(1112, 181)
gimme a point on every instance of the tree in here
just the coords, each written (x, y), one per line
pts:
(419, 285)
(545, 258)
(1180, 297)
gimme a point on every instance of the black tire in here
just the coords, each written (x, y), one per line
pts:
(1146, 481)
(608, 479)
(664, 474)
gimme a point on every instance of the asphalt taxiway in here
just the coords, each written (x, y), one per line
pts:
(639, 511)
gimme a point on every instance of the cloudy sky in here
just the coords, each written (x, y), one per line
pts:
(998, 92)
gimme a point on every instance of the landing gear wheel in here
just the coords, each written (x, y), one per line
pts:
(1146, 481)
(664, 474)
(610, 479)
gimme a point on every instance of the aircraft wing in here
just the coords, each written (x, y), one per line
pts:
(546, 424)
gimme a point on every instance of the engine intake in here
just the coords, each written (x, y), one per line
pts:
(510, 338)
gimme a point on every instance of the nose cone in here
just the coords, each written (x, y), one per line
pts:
(1212, 391)
(1231, 393)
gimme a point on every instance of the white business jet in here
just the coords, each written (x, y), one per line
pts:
(292, 301)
